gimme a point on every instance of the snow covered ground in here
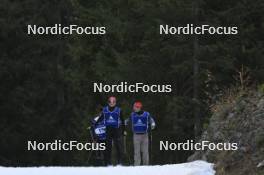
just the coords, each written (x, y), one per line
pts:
(192, 168)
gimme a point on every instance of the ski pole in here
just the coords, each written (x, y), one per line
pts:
(150, 146)
(93, 140)
(126, 154)
(125, 150)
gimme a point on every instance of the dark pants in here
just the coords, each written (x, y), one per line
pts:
(101, 156)
(113, 135)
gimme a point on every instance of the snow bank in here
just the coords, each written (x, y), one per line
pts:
(192, 168)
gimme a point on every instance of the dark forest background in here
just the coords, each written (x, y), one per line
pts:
(46, 81)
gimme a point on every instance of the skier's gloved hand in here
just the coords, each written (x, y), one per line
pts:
(153, 126)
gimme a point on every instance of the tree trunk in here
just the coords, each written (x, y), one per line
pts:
(197, 119)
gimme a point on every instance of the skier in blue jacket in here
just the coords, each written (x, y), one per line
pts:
(141, 123)
(98, 135)
(112, 116)
(99, 130)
